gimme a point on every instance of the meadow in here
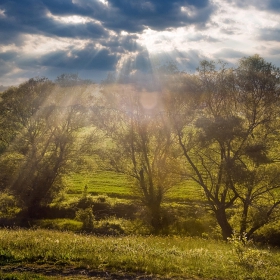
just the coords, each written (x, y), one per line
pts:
(49, 254)
(118, 185)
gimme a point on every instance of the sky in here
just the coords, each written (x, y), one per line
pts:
(93, 38)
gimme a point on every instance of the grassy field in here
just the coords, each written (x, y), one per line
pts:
(118, 185)
(51, 253)
(102, 182)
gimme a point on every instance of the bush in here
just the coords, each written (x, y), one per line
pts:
(8, 207)
(248, 255)
(85, 202)
(269, 234)
(109, 227)
(86, 217)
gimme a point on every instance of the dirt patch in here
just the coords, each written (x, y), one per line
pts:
(69, 272)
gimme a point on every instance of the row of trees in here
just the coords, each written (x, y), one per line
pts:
(218, 127)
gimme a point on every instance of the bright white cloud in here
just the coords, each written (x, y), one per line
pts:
(105, 2)
(2, 13)
(74, 19)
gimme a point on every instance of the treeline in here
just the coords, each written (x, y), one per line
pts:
(218, 127)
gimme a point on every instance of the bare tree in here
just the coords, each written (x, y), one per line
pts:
(140, 145)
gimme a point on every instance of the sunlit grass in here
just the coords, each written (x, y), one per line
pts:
(150, 255)
(186, 191)
(102, 182)
(118, 185)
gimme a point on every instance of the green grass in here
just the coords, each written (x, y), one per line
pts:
(168, 257)
(186, 191)
(60, 224)
(102, 182)
(118, 185)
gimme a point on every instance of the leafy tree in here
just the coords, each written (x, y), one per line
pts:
(45, 125)
(227, 138)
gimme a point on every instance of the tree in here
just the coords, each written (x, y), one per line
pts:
(258, 92)
(140, 145)
(45, 125)
(226, 139)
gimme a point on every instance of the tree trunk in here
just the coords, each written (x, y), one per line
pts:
(222, 220)
(243, 223)
(155, 218)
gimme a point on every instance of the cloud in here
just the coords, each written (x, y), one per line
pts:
(229, 54)
(50, 37)
(32, 16)
(121, 43)
(88, 58)
(270, 34)
(135, 16)
(271, 5)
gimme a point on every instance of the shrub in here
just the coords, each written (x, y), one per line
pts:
(86, 217)
(269, 234)
(109, 227)
(247, 254)
(8, 205)
(85, 202)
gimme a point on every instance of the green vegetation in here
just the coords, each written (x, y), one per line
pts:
(195, 157)
(118, 185)
(102, 182)
(168, 257)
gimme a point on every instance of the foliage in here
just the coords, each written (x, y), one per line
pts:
(8, 207)
(248, 255)
(211, 138)
(228, 139)
(269, 234)
(42, 122)
(86, 217)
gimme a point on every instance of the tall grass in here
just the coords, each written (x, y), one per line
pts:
(164, 256)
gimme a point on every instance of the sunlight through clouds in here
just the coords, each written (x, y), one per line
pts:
(104, 2)
(123, 36)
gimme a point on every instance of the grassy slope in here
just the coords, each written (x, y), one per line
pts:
(117, 185)
(140, 255)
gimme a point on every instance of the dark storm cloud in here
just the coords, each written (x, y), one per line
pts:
(31, 16)
(134, 16)
(89, 58)
(5, 68)
(274, 5)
